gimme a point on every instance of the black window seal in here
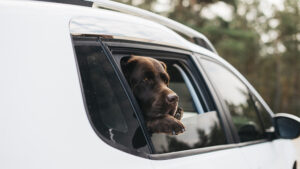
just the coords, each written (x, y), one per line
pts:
(72, 2)
(120, 43)
(202, 88)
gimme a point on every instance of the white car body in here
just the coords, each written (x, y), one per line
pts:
(43, 121)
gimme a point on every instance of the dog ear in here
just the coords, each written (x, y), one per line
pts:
(127, 66)
(124, 63)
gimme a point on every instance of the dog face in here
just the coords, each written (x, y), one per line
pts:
(149, 82)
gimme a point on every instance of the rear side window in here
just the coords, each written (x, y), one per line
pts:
(108, 106)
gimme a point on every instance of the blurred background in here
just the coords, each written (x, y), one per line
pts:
(261, 38)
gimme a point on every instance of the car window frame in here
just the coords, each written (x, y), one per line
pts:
(124, 45)
(179, 56)
(225, 108)
(271, 131)
(106, 44)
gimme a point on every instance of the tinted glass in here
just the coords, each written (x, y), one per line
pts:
(265, 116)
(108, 106)
(202, 130)
(238, 100)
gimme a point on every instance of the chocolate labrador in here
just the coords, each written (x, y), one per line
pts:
(149, 81)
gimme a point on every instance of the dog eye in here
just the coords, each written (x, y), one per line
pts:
(167, 82)
(165, 78)
(145, 79)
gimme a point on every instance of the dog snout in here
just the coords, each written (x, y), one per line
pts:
(172, 98)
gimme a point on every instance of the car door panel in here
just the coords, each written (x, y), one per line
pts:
(276, 154)
(226, 158)
(247, 120)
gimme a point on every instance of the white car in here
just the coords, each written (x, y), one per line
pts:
(64, 101)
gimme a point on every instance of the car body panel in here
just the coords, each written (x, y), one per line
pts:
(43, 117)
(230, 158)
(152, 32)
(276, 154)
(176, 26)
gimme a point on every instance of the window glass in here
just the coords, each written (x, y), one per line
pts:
(202, 130)
(108, 106)
(265, 116)
(238, 100)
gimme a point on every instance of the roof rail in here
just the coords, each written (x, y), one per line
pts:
(197, 37)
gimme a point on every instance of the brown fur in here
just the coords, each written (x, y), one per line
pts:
(149, 82)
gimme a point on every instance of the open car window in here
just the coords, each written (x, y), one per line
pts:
(203, 126)
(116, 116)
(181, 85)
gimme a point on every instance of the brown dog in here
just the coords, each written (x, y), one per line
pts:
(149, 82)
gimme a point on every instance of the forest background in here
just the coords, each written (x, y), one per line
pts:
(261, 38)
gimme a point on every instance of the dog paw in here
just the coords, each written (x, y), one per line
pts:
(179, 113)
(167, 124)
(177, 128)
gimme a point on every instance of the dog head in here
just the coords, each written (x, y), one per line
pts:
(149, 82)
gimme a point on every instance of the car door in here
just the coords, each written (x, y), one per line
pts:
(204, 144)
(251, 122)
(207, 141)
(275, 153)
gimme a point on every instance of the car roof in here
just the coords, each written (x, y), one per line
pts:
(190, 34)
(117, 25)
(113, 24)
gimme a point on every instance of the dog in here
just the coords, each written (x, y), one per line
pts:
(149, 81)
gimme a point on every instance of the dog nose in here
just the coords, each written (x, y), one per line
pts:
(172, 98)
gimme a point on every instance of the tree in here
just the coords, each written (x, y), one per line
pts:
(264, 48)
